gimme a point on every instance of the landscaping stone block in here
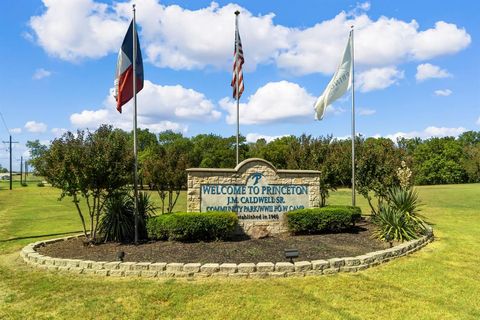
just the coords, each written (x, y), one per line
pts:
(98, 265)
(158, 266)
(336, 262)
(174, 267)
(263, 267)
(86, 264)
(132, 273)
(302, 266)
(352, 261)
(191, 267)
(141, 266)
(102, 272)
(259, 274)
(228, 267)
(117, 273)
(125, 266)
(331, 270)
(112, 265)
(246, 267)
(149, 273)
(320, 264)
(210, 268)
(238, 275)
(277, 274)
(284, 267)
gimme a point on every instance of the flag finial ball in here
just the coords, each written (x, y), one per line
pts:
(237, 12)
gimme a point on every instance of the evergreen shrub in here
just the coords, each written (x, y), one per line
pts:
(192, 226)
(324, 219)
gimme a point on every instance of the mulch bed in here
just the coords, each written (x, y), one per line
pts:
(353, 242)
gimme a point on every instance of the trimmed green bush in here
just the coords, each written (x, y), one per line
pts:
(192, 226)
(325, 219)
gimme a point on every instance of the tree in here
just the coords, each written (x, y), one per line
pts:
(439, 161)
(36, 151)
(88, 166)
(376, 166)
(165, 167)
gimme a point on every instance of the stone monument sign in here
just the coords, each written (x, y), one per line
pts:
(258, 192)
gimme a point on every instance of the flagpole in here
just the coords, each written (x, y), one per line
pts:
(353, 120)
(135, 175)
(236, 89)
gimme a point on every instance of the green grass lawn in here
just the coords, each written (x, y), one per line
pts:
(442, 281)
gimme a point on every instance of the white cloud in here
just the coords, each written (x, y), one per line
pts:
(41, 73)
(366, 111)
(445, 38)
(428, 132)
(175, 37)
(76, 29)
(58, 132)
(35, 127)
(428, 71)
(16, 130)
(253, 137)
(159, 108)
(273, 102)
(378, 78)
(443, 93)
(478, 121)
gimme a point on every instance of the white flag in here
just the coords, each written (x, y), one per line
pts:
(340, 82)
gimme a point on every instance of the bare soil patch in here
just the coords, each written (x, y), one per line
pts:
(353, 242)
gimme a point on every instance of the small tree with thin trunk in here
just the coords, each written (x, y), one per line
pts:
(90, 167)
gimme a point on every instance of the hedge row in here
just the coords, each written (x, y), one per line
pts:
(192, 226)
(316, 220)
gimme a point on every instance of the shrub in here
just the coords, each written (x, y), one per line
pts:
(118, 220)
(315, 220)
(392, 224)
(399, 219)
(40, 184)
(192, 226)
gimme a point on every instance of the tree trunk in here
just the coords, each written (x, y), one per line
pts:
(75, 200)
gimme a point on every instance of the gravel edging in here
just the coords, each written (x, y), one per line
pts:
(241, 270)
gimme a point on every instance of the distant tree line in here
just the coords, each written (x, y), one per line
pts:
(164, 157)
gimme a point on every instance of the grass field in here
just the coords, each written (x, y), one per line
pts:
(442, 281)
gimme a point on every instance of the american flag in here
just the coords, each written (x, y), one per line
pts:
(237, 78)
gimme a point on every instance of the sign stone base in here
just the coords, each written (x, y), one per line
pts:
(258, 192)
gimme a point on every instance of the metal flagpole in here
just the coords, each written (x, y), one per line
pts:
(237, 82)
(353, 119)
(135, 179)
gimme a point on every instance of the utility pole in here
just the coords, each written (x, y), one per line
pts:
(10, 149)
(21, 171)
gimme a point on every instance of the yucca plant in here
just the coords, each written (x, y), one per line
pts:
(392, 224)
(406, 201)
(399, 218)
(117, 222)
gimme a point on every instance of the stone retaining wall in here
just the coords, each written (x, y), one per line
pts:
(241, 270)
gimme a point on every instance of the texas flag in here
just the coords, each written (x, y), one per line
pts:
(124, 73)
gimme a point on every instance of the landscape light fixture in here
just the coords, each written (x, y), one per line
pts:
(120, 256)
(388, 238)
(291, 254)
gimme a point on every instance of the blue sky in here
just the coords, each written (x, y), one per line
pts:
(417, 67)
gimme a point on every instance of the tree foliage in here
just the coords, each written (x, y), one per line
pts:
(88, 166)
